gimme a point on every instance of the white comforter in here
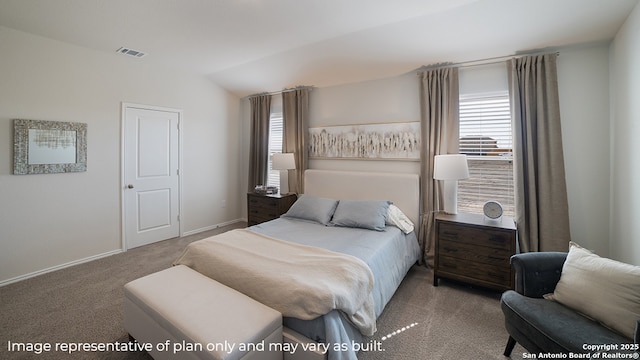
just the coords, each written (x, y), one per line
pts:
(299, 281)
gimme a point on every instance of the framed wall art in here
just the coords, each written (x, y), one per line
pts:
(392, 141)
(46, 147)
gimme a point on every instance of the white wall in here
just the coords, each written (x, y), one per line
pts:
(625, 143)
(583, 78)
(479, 79)
(54, 219)
(377, 101)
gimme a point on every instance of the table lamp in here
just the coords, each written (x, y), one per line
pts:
(450, 168)
(283, 162)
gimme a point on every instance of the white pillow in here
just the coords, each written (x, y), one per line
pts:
(605, 290)
(397, 218)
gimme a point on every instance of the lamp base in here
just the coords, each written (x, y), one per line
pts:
(284, 182)
(450, 196)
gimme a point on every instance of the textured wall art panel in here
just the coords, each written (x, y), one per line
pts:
(392, 141)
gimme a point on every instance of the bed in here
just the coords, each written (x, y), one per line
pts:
(379, 255)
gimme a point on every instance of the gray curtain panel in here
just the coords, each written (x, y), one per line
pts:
(259, 149)
(295, 113)
(439, 117)
(542, 210)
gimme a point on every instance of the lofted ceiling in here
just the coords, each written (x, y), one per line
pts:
(250, 46)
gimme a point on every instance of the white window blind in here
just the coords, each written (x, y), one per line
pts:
(486, 139)
(275, 146)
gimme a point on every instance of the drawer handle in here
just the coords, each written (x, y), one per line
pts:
(448, 249)
(497, 276)
(496, 239)
(452, 266)
(452, 234)
(496, 257)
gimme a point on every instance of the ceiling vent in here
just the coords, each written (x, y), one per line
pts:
(131, 52)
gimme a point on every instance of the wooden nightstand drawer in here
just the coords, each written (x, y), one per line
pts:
(468, 271)
(264, 201)
(474, 252)
(471, 235)
(259, 207)
(471, 250)
(264, 214)
(257, 218)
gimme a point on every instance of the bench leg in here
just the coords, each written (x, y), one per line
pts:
(511, 343)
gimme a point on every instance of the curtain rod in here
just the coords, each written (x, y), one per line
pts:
(279, 92)
(487, 61)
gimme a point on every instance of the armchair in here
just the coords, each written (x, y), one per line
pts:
(545, 326)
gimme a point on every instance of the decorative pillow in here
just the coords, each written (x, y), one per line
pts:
(605, 290)
(366, 214)
(313, 208)
(397, 218)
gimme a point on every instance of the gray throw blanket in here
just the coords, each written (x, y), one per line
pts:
(299, 281)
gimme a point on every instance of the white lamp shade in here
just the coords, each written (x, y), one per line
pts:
(450, 167)
(283, 161)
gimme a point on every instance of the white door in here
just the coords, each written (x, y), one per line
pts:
(150, 175)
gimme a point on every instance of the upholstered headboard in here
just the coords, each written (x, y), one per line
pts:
(401, 188)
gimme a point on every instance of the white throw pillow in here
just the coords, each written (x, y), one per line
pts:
(397, 218)
(605, 290)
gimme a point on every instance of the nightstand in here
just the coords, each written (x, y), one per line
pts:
(471, 249)
(261, 208)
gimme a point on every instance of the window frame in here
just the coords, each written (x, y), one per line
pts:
(491, 172)
(276, 143)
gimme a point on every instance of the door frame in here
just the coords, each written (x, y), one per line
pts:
(123, 185)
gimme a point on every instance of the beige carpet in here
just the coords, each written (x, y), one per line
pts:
(454, 321)
(84, 303)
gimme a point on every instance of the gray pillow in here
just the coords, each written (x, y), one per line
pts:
(366, 214)
(313, 208)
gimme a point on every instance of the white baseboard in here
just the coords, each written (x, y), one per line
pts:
(196, 231)
(99, 256)
(58, 267)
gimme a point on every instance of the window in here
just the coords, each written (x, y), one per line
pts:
(275, 146)
(486, 139)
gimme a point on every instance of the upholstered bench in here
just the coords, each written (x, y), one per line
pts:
(181, 314)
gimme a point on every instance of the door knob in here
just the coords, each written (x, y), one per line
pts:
(130, 186)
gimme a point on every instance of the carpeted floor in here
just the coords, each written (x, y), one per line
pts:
(84, 303)
(454, 321)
